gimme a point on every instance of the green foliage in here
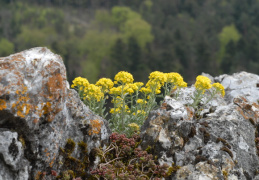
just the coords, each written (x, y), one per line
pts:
(228, 34)
(131, 24)
(108, 27)
(121, 15)
(31, 38)
(216, 36)
(96, 45)
(6, 47)
(139, 29)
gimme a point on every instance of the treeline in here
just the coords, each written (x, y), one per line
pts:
(98, 38)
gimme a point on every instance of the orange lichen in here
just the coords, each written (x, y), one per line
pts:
(2, 104)
(55, 83)
(35, 121)
(21, 106)
(52, 160)
(40, 175)
(189, 113)
(248, 111)
(46, 108)
(95, 126)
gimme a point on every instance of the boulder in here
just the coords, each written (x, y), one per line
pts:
(39, 113)
(240, 84)
(218, 142)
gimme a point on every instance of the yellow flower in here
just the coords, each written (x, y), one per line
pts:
(117, 100)
(183, 84)
(145, 90)
(176, 79)
(118, 110)
(134, 126)
(158, 91)
(158, 76)
(79, 81)
(115, 90)
(220, 88)
(141, 112)
(154, 86)
(129, 88)
(202, 83)
(139, 84)
(93, 92)
(123, 77)
(141, 101)
(105, 84)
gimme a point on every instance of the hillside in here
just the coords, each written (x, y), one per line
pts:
(98, 38)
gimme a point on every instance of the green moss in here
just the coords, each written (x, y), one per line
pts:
(223, 142)
(70, 146)
(200, 158)
(206, 136)
(225, 174)
(148, 149)
(192, 132)
(224, 148)
(72, 166)
(172, 169)
(83, 146)
(204, 124)
(252, 121)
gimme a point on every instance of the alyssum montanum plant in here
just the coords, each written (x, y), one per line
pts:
(132, 101)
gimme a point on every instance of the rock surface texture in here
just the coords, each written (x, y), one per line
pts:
(220, 142)
(38, 113)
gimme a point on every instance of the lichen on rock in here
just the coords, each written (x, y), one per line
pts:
(219, 142)
(37, 103)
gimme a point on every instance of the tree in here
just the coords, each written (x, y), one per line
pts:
(228, 33)
(6, 47)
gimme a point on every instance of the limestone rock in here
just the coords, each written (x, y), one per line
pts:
(240, 84)
(39, 112)
(217, 144)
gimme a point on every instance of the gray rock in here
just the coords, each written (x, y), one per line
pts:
(218, 144)
(38, 108)
(240, 84)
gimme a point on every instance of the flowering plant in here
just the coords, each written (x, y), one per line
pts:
(132, 101)
(93, 95)
(202, 85)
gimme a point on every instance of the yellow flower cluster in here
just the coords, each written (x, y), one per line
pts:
(134, 126)
(126, 89)
(105, 83)
(129, 88)
(202, 83)
(119, 109)
(145, 90)
(140, 112)
(123, 77)
(176, 79)
(158, 76)
(93, 92)
(220, 88)
(155, 82)
(141, 101)
(139, 84)
(79, 81)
